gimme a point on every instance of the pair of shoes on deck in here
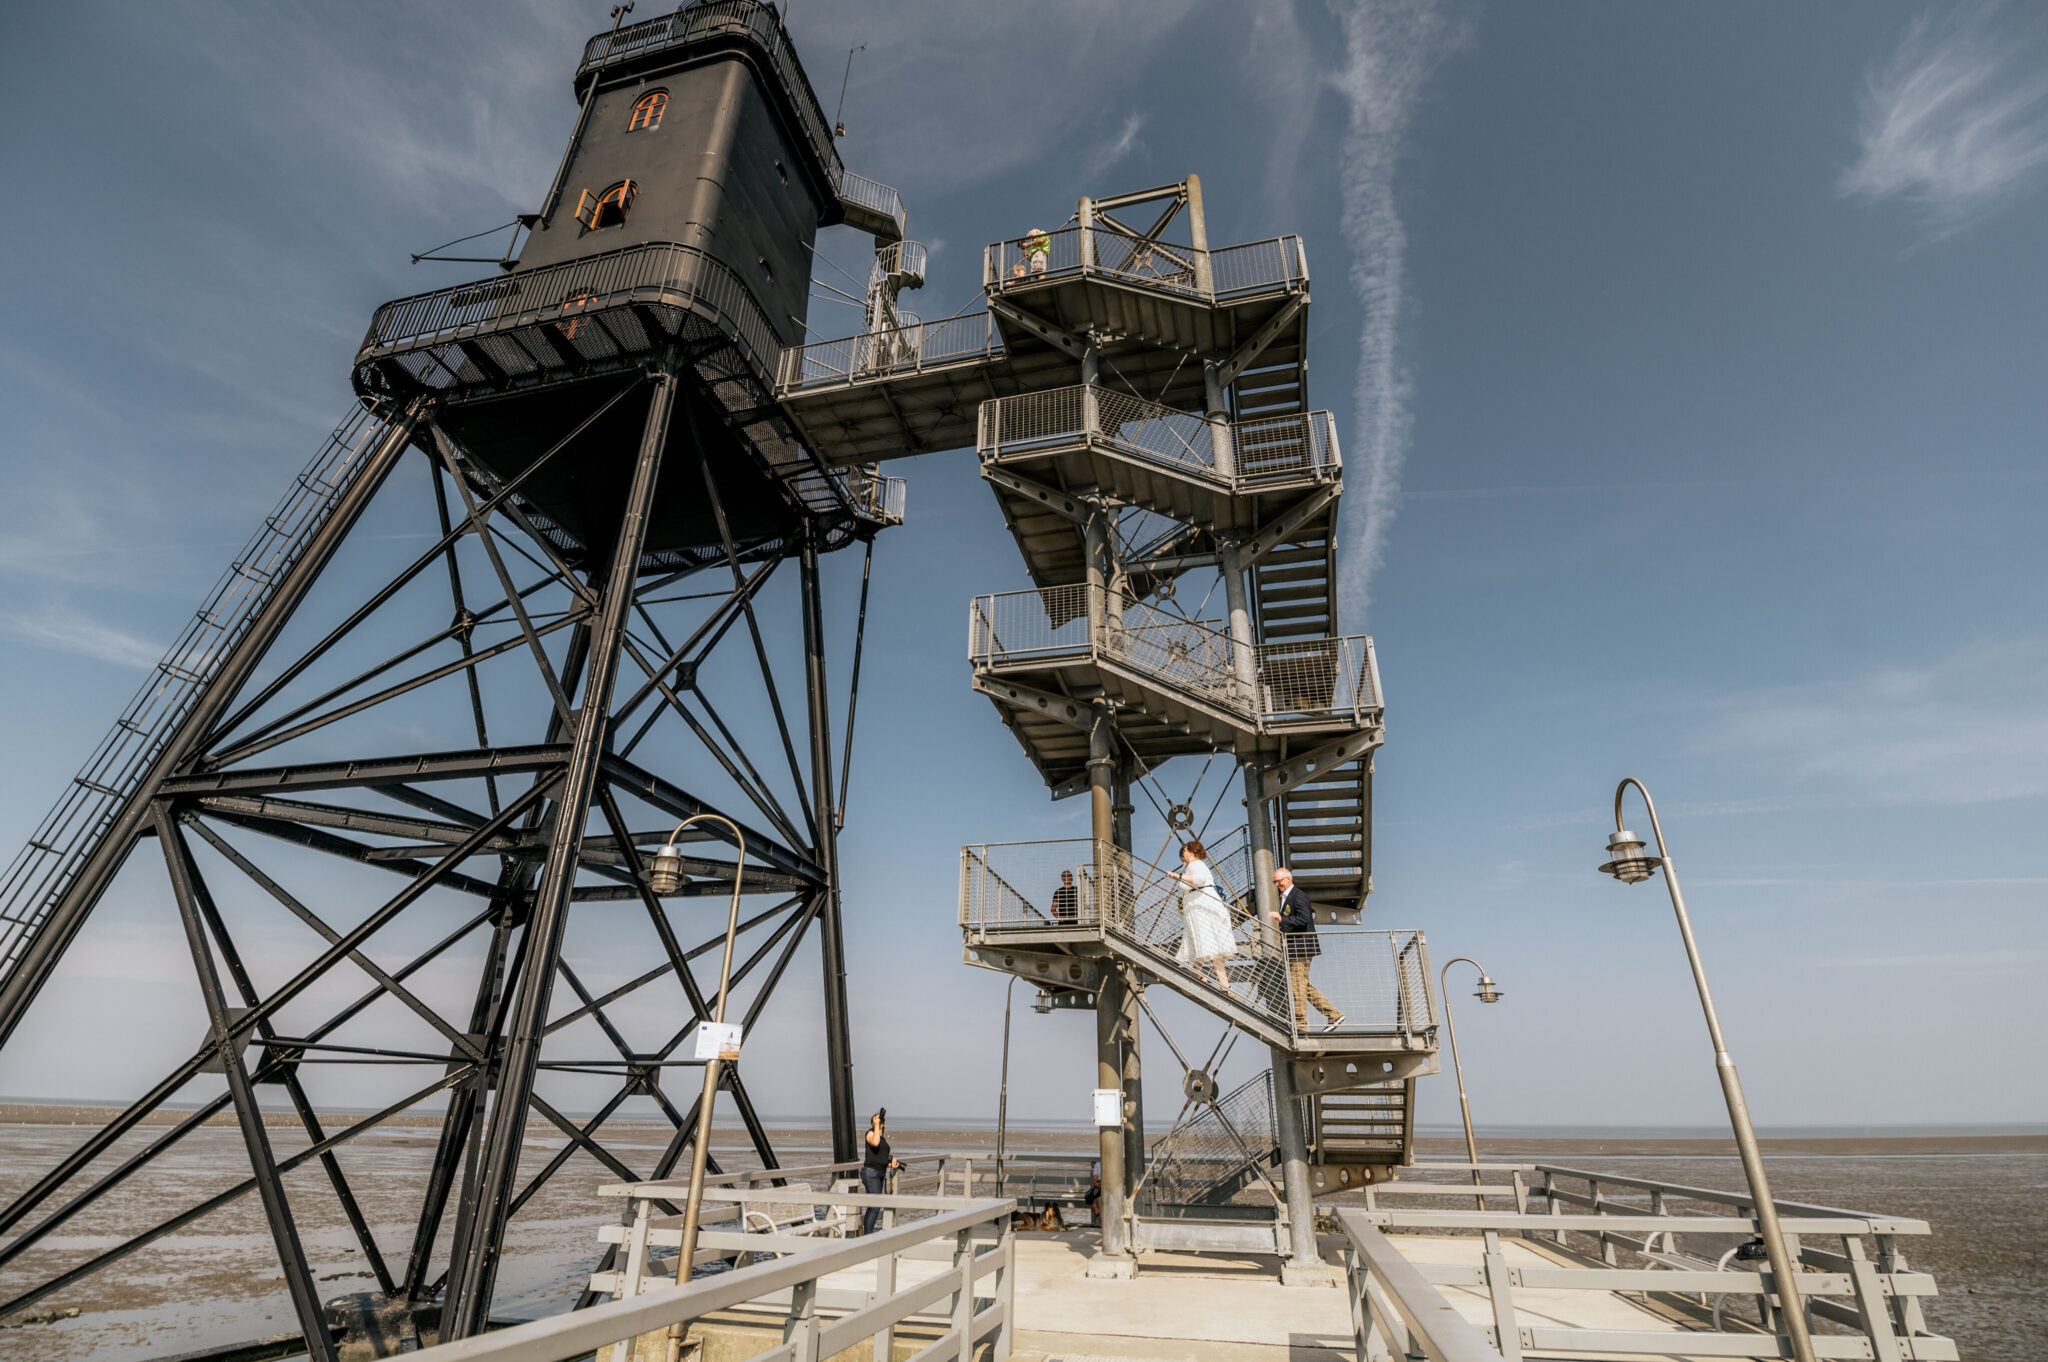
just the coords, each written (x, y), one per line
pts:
(1334, 1022)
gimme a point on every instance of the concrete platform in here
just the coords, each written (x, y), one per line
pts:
(1214, 1308)
(1185, 1307)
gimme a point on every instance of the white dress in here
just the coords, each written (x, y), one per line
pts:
(1206, 920)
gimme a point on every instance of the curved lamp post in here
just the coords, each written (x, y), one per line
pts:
(1627, 863)
(1042, 1004)
(665, 876)
(1488, 992)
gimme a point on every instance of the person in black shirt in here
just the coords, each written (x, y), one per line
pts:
(1066, 901)
(876, 1167)
(1297, 920)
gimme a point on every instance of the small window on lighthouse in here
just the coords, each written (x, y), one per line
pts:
(647, 111)
(607, 209)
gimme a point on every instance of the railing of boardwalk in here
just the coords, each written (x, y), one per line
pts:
(947, 1262)
(1377, 980)
(1299, 682)
(1227, 274)
(1678, 1247)
(1268, 450)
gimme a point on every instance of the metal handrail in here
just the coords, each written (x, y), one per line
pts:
(1011, 888)
(1433, 1327)
(1264, 450)
(1226, 274)
(662, 273)
(1296, 681)
(873, 195)
(979, 1232)
(891, 353)
(1398, 1307)
(751, 19)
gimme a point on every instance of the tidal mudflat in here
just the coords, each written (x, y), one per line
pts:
(214, 1281)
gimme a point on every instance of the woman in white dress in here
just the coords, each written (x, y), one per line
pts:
(1206, 938)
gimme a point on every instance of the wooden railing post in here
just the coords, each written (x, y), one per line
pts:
(1499, 1294)
(963, 1293)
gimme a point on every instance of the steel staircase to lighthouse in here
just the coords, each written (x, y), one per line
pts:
(1138, 403)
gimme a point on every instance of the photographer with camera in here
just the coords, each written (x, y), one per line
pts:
(876, 1167)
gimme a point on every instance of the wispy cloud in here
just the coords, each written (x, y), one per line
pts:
(1390, 50)
(67, 631)
(1956, 120)
(1286, 75)
(1113, 149)
(1965, 728)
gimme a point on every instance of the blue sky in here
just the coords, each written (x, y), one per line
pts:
(1689, 368)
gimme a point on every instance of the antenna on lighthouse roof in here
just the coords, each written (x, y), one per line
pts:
(838, 127)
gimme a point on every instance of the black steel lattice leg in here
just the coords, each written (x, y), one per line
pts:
(831, 945)
(291, 1254)
(470, 1281)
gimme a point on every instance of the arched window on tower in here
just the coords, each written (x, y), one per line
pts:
(607, 209)
(647, 111)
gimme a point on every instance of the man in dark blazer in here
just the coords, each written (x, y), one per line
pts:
(1297, 919)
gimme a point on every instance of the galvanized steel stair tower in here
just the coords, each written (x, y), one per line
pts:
(1124, 365)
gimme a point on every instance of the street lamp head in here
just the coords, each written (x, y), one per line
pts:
(1625, 859)
(1042, 1004)
(665, 875)
(1489, 992)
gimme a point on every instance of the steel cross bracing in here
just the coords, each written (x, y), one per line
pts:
(1138, 402)
(590, 690)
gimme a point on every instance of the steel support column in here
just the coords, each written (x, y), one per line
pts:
(471, 1279)
(291, 1255)
(1301, 1219)
(831, 941)
(1111, 1000)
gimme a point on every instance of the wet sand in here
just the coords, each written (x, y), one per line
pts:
(215, 1281)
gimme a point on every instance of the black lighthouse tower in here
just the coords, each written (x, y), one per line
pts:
(477, 752)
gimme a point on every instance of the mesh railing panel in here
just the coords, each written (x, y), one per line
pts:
(1221, 1155)
(47, 866)
(1013, 625)
(1297, 680)
(1377, 980)
(1315, 677)
(1270, 449)
(1258, 267)
(1277, 448)
(894, 352)
(1275, 265)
